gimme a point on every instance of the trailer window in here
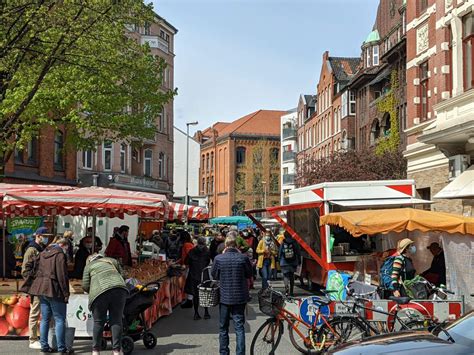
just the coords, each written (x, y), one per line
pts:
(305, 223)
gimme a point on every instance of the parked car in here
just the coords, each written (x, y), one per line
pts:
(456, 338)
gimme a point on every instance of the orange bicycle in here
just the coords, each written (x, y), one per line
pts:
(308, 338)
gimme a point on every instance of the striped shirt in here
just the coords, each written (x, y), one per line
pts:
(397, 271)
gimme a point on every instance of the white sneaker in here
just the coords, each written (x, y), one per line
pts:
(35, 345)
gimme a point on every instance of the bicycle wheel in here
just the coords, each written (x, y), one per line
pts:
(340, 330)
(420, 324)
(302, 344)
(267, 337)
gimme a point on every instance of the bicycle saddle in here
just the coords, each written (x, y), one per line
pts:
(400, 300)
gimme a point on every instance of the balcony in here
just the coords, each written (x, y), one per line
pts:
(155, 42)
(288, 179)
(289, 156)
(289, 133)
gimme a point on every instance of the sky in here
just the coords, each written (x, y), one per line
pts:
(234, 57)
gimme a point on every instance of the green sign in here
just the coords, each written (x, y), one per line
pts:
(21, 230)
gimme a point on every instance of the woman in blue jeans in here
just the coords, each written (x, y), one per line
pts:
(266, 251)
(51, 285)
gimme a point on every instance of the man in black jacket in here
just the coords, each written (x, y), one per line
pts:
(233, 270)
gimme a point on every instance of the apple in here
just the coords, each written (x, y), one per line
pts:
(3, 309)
(3, 327)
(17, 317)
(10, 300)
(24, 301)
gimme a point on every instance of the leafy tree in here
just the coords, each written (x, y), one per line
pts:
(352, 166)
(73, 63)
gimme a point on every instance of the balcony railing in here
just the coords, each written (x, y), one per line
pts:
(288, 178)
(289, 133)
(155, 42)
(289, 156)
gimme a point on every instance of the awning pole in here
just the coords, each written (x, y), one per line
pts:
(94, 219)
(4, 225)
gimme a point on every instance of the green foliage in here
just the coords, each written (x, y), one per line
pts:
(388, 104)
(72, 63)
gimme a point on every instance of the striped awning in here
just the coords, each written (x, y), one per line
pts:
(178, 211)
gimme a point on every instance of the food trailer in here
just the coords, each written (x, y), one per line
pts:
(326, 248)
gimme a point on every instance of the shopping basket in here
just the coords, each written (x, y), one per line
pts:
(270, 302)
(209, 291)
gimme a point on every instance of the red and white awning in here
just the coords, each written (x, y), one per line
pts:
(177, 211)
(100, 201)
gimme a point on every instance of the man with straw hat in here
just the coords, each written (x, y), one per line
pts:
(402, 268)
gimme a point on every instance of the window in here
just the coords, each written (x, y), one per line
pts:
(58, 151)
(257, 182)
(274, 155)
(147, 160)
(212, 161)
(161, 165)
(287, 148)
(212, 184)
(375, 55)
(123, 161)
(468, 50)
(425, 194)
(422, 6)
(423, 91)
(285, 171)
(107, 155)
(87, 159)
(352, 103)
(208, 190)
(240, 184)
(257, 156)
(344, 103)
(164, 35)
(32, 151)
(136, 155)
(147, 28)
(161, 121)
(203, 162)
(240, 155)
(203, 186)
(19, 156)
(274, 183)
(367, 56)
(207, 161)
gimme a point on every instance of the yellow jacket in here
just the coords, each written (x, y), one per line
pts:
(261, 250)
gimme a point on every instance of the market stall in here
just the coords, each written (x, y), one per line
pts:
(93, 202)
(182, 212)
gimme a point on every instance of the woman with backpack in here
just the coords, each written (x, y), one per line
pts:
(398, 268)
(290, 258)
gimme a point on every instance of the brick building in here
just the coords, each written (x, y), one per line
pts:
(149, 167)
(44, 160)
(328, 127)
(383, 52)
(240, 163)
(440, 125)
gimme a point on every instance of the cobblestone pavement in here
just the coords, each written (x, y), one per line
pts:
(180, 334)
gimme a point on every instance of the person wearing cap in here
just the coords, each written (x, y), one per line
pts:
(119, 247)
(436, 274)
(31, 254)
(402, 268)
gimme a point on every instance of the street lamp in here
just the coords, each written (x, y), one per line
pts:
(187, 168)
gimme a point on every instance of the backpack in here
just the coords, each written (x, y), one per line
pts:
(385, 276)
(289, 251)
(173, 249)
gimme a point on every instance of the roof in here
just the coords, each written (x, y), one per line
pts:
(373, 37)
(261, 122)
(344, 68)
(218, 126)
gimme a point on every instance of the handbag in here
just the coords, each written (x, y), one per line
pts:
(209, 291)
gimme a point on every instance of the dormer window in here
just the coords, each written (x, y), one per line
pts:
(368, 57)
(375, 54)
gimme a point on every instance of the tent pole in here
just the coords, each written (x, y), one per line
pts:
(4, 225)
(94, 219)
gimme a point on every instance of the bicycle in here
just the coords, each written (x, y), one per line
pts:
(305, 337)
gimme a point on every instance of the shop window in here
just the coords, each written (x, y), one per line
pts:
(59, 151)
(240, 155)
(468, 49)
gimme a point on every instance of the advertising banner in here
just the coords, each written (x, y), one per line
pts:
(79, 316)
(21, 230)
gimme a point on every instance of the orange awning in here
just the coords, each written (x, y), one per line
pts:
(398, 220)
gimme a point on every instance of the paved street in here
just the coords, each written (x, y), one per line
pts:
(180, 334)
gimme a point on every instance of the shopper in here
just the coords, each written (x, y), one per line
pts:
(173, 246)
(119, 247)
(215, 243)
(51, 285)
(198, 259)
(232, 269)
(187, 245)
(104, 282)
(267, 252)
(28, 272)
(69, 236)
(290, 258)
(84, 251)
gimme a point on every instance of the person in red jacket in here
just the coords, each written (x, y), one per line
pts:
(187, 243)
(119, 247)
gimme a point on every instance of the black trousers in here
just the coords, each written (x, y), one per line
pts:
(113, 303)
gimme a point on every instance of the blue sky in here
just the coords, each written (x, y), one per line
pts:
(234, 57)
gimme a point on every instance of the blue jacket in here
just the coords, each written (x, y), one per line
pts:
(232, 269)
(296, 248)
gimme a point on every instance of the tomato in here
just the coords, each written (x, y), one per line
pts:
(3, 327)
(17, 317)
(24, 301)
(3, 309)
